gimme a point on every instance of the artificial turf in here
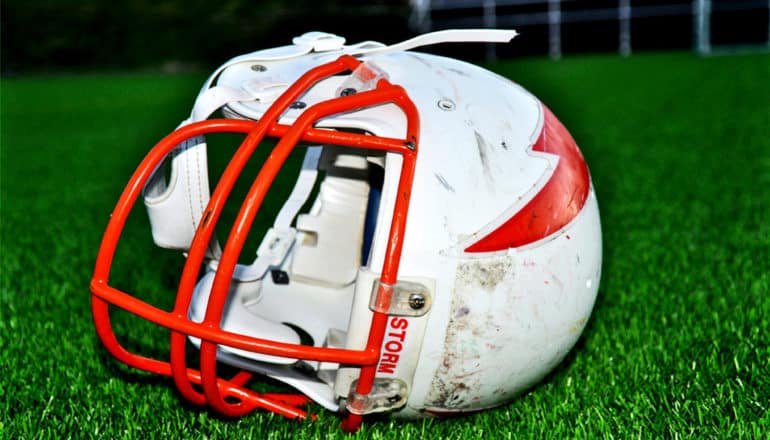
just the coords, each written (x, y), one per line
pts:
(678, 343)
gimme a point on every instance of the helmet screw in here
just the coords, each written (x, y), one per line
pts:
(348, 91)
(416, 301)
(446, 104)
(298, 105)
(258, 67)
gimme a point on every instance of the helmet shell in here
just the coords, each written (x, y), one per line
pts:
(500, 320)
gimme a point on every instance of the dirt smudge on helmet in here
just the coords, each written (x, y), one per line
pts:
(456, 383)
(484, 273)
(483, 147)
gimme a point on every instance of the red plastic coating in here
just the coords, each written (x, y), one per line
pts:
(559, 201)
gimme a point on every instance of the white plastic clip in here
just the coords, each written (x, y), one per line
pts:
(364, 78)
(404, 298)
(319, 41)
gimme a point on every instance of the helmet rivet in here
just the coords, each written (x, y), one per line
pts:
(298, 105)
(348, 91)
(416, 301)
(446, 104)
(258, 67)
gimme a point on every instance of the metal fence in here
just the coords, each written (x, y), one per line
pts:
(485, 13)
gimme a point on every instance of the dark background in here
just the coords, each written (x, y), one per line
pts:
(45, 35)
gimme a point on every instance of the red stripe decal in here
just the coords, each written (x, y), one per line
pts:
(557, 203)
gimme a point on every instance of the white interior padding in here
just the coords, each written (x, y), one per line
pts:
(176, 208)
(330, 253)
(238, 319)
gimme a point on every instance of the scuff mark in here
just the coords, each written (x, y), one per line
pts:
(444, 183)
(449, 395)
(577, 326)
(459, 72)
(421, 60)
(456, 382)
(487, 273)
(558, 282)
(439, 72)
(483, 148)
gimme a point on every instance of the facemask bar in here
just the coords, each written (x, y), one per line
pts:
(218, 393)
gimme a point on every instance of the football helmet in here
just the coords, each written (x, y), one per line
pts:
(449, 259)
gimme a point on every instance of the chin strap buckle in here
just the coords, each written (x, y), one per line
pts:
(386, 395)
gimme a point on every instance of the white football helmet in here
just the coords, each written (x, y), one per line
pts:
(450, 259)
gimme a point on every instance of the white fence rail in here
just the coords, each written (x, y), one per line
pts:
(701, 10)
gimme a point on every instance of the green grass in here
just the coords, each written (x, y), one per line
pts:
(677, 347)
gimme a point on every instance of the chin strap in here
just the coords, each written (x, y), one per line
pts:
(446, 36)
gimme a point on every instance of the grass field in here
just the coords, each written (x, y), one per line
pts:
(678, 345)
